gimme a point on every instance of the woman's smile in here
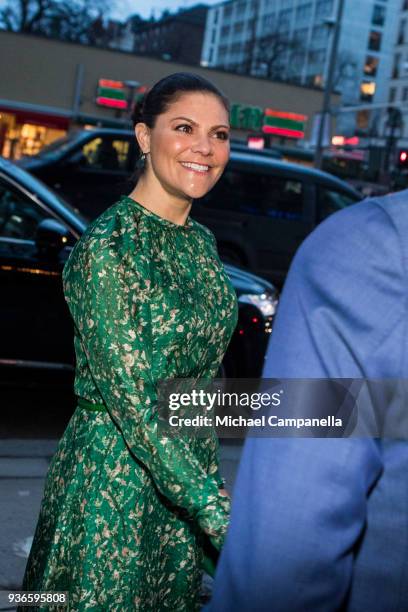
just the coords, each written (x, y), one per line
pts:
(196, 168)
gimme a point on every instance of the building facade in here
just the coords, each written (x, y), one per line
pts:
(49, 87)
(397, 94)
(290, 40)
(177, 38)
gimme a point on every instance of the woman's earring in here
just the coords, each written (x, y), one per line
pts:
(141, 162)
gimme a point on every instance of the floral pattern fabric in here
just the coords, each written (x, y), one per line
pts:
(126, 513)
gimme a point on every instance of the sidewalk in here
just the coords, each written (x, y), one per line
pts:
(23, 466)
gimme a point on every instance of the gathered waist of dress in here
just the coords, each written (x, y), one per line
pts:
(87, 405)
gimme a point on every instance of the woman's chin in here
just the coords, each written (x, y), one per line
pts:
(197, 192)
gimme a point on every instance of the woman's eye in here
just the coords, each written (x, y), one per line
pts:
(223, 135)
(184, 125)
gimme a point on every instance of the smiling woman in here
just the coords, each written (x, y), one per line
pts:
(182, 129)
(129, 519)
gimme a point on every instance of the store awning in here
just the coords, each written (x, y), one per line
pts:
(30, 113)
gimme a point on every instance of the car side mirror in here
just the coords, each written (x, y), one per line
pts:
(51, 237)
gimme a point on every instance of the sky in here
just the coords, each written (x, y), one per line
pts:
(144, 9)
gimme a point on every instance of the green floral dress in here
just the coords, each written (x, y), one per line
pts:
(126, 513)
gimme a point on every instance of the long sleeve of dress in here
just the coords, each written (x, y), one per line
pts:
(114, 324)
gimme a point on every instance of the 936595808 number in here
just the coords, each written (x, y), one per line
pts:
(33, 598)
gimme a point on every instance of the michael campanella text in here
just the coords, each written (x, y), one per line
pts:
(262, 421)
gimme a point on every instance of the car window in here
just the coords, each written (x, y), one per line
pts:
(331, 200)
(59, 145)
(19, 216)
(104, 154)
(283, 197)
(257, 193)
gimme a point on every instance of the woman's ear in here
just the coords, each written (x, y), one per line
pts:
(142, 134)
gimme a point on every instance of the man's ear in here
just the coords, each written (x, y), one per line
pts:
(142, 134)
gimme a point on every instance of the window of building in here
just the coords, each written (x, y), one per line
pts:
(405, 5)
(396, 67)
(239, 27)
(401, 33)
(304, 11)
(367, 90)
(268, 22)
(392, 94)
(371, 65)
(222, 51)
(318, 56)
(228, 11)
(286, 15)
(215, 18)
(240, 7)
(374, 40)
(378, 17)
(301, 35)
(24, 138)
(324, 8)
(405, 94)
(225, 30)
(320, 33)
(363, 117)
(251, 26)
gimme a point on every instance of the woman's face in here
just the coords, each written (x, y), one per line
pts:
(189, 145)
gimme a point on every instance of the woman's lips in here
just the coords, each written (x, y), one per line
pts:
(202, 172)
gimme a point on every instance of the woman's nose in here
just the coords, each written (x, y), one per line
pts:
(202, 144)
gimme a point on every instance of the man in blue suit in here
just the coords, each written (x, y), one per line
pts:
(319, 524)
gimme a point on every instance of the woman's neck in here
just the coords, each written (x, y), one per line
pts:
(162, 203)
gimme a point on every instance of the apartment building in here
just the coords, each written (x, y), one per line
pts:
(397, 93)
(290, 40)
(177, 37)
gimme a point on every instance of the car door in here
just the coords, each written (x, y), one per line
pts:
(232, 215)
(261, 213)
(35, 327)
(286, 222)
(96, 173)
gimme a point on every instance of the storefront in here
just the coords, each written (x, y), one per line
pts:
(26, 132)
(85, 86)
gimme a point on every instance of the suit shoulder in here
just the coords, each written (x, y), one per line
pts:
(355, 231)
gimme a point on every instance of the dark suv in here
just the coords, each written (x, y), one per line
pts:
(260, 210)
(37, 232)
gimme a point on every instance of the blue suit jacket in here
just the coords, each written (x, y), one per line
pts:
(320, 525)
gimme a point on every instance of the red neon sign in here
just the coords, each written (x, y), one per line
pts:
(111, 84)
(268, 129)
(112, 103)
(283, 115)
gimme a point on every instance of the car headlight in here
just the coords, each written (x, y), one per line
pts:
(265, 302)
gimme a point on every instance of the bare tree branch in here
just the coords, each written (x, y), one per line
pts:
(72, 20)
